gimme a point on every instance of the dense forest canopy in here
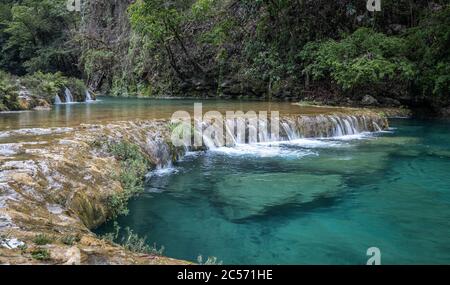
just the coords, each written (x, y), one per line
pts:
(335, 52)
(36, 36)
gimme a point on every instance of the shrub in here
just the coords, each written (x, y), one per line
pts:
(78, 89)
(132, 241)
(134, 167)
(363, 60)
(135, 243)
(70, 239)
(40, 254)
(42, 239)
(429, 44)
(45, 85)
(9, 92)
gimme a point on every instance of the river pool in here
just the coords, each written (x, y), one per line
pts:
(316, 201)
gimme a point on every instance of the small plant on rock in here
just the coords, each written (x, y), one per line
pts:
(41, 254)
(70, 239)
(42, 239)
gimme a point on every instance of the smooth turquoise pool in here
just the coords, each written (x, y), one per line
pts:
(306, 202)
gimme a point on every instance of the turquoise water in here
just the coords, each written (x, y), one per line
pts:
(111, 109)
(306, 202)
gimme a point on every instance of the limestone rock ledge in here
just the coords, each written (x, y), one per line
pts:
(56, 183)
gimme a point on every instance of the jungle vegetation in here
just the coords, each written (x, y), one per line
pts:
(336, 52)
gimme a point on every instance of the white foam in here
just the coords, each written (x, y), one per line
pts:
(360, 136)
(312, 143)
(262, 150)
(162, 172)
(9, 149)
(192, 154)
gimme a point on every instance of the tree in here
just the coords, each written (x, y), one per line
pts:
(35, 36)
(361, 62)
(161, 22)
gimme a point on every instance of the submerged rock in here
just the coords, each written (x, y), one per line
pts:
(245, 197)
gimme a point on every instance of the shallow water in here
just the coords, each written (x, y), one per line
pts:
(306, 202)
(108, 109)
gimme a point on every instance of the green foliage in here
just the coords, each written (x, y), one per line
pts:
(219, 34)
(70, 239)
(48, 85)
(97, 60)
(8, 93)
(77, 87)
(132, 242)
(429, 44)
(364, 58)
(134, 167)
(114, 235)
(42, 239)
(158, 19)
(266, 64)
(41, 254)
(261, 47)
(203, 8)
(40, 86)
(45, 85)
(34, 36)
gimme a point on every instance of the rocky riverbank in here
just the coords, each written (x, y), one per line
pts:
(56, 185)
(39, 91)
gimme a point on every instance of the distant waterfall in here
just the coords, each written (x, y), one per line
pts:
(88, 96)
(58, 100)
(297, 127)
(68, 95)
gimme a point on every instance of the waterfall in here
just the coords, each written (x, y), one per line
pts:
(88, 96)
(289, 130)
(57, 100)
(68, 95)
(296, 127)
